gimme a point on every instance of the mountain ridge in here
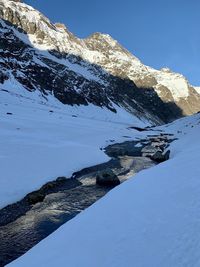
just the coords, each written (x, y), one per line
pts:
(98, 67)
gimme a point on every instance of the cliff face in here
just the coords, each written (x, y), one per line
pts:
(44, 56)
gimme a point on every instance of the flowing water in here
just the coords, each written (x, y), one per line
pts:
(41, 219)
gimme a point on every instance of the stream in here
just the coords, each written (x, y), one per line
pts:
(23, 225)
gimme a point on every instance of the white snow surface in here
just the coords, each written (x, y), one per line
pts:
(152, 219)
(37, 146)
(197, 88)
(176, 83)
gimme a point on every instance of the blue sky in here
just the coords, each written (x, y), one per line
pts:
(159, 32)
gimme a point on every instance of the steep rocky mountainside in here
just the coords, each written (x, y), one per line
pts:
(44, 56)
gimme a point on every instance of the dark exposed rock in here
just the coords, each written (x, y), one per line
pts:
(35, 197)
(107, 178)
(160, 157)
(50, 187)
(150, 150)
(128, 148)
(61, 179)
(139, 129)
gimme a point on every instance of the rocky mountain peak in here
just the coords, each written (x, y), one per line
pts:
(94, 70)
(61, 26)
(102, 37)
(166, 69)
(105, 44)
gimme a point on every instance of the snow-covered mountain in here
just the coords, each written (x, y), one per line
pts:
(97, 70)
(62, 101)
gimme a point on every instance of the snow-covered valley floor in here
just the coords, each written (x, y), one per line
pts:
(41, 140)
(150, 220)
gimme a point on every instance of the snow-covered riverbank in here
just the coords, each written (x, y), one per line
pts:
(151, 220)
(41, 140)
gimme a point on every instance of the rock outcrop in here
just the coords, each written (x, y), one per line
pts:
(107, 178)
(97, 70)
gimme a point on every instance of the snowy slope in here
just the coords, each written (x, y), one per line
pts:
(42, 138)
(150, 220)
(94, 70)
(197, 89)
(69, 78)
